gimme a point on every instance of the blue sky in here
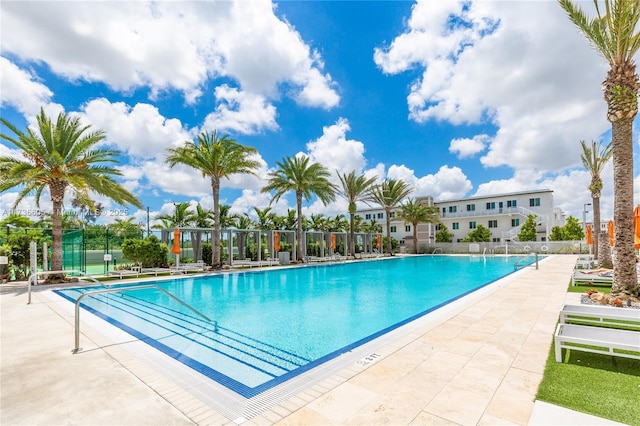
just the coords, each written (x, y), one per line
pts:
(457, 98)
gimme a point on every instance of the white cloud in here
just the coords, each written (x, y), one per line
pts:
(241, 112)
(447, 183)
(541, 89)
(168, 45)
(334, 151)
(466, 147)
(140, 131)
(21, 89)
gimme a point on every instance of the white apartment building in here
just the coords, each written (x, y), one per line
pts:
(502, 214)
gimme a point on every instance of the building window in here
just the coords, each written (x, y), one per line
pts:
(493, 224)
(512, 203)
(392, 214)
(444, 210)
(438, 227)
(367, 216)
(472, 225)
(453, 209)
(496, 240)
(534, 202)
(491, 205)
(407, 228)
(393, 229)
(515, 222)
(455, 225)
(471, 207)
(380, 215)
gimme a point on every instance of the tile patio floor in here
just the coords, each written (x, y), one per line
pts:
(478, 364)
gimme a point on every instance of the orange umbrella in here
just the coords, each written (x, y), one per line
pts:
(333, 241)
(610, 229)
(589, 235)
(175, 249)
(636, 227)
(378, 238)
(276, 241)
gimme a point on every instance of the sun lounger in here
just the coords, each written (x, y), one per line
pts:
(600, 340)
(123, 272)
(155, 271)
(592, 277)
(601, 315)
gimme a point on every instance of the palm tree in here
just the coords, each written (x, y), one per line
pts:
(265, 218)
(594, 159)
(318, 222)
(614, 36)
(181, 216)
(296, 174)
(388, 195)
(416, 212)
(216, 158)
(354, 189)
(61, 156)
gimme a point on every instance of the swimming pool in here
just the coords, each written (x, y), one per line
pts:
(273, 325)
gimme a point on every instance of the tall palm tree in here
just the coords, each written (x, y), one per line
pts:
(594, 158)
(61, 156)
(388, 195)
(354, 189)
(416, 212)
(296, 174)
(216, 158)
(613, 34)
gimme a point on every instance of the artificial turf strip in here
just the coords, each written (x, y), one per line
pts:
(601, 385)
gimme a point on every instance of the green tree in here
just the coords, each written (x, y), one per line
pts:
(60, 156)
(148, 252)
(557, 234)
(572, 229)
(614, 35)
(181, 216)
(443, 235)
(528, 229)
(478, 235)
(265, 218)
(417, 212)
(594, 158)
(297, 175)
(355, 189)
(216, 158)
(388, 195)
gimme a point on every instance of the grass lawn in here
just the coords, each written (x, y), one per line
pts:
(601, 385)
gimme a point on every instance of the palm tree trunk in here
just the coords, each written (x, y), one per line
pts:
(300, 254)
(625, 279)
(56, 231)
(215, 240)
(415, 237)
(595, 200)
(388, 214)
(352, 235)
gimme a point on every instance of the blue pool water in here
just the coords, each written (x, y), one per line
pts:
(273, 325)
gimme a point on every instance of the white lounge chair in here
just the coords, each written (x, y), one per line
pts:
(155, 271)
(593, 277)
(123, 272)
(600, 340)
(600, 315)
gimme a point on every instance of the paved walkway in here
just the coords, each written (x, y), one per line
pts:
(479, 363)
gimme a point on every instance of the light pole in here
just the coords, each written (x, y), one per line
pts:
(584, 217)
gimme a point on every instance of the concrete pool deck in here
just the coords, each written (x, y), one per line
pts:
(481, 363)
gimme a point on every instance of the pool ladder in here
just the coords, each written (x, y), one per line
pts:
(77, 347)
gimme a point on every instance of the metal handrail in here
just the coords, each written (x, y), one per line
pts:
(122, 289)
(34, 277)
(515, 265)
